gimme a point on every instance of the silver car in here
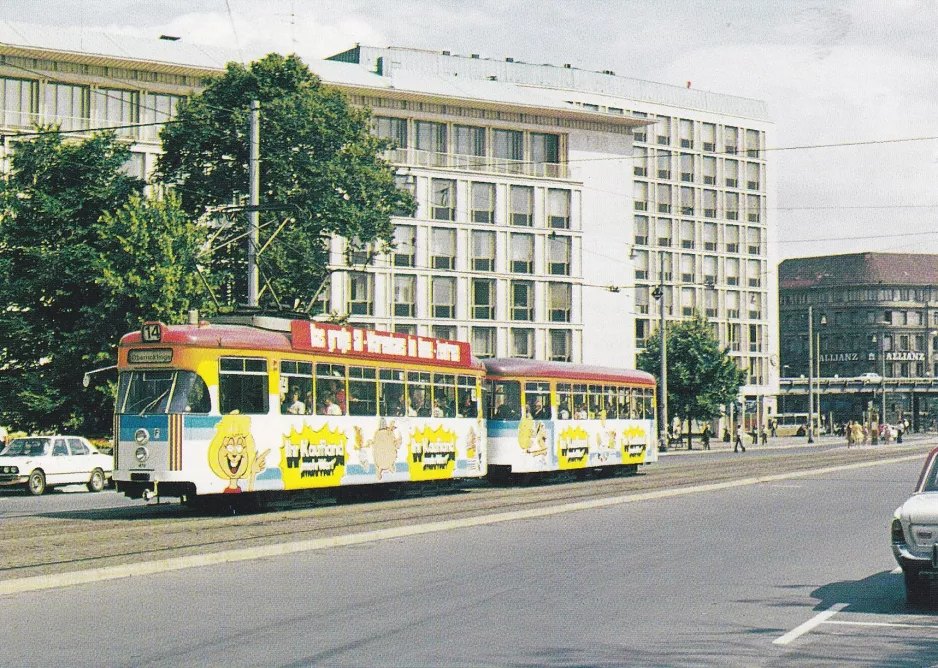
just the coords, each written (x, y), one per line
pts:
(915, 534)
(37, 463)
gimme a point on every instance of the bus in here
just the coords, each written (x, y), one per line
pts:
(554, 416)
(262, 404)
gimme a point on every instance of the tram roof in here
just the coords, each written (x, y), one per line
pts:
(565, 370)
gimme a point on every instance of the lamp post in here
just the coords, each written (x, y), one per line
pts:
(810, 374)
(658, 294)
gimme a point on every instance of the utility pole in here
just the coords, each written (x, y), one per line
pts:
(254, 178)
(664, 430)
(810, 374)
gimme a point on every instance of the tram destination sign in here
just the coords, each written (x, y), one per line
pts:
(369, 344)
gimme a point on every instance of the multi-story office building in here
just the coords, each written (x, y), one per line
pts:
(551, 201)
(700, 226)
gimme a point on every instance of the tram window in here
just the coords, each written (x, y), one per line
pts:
(330, 389)
(595, 402)
(622, 399)
(418, 394)
(507, 400)
(537, 400)
(296, 387)
(564, 401)
(393, 399)
(190, 395)
(466, 397)
(579, 402)
(444, 395)
(145, 391)
(648, 405)
(242, 385)
(362, 391)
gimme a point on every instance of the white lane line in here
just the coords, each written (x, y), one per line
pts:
(39, 582)
(810, 625)
(894, 624)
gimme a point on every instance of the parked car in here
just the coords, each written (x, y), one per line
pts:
(38, 463)
(915, 533)
(870, 377)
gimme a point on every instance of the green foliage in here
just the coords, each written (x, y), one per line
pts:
(319, 160)
(701, 376)
(84, 258)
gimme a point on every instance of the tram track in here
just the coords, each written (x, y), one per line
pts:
(68, 541)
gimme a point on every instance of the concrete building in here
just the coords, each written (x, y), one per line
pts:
(552, 201)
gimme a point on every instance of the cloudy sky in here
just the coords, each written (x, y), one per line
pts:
(852, 85)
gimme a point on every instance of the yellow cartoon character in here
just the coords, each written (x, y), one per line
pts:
(232, 455)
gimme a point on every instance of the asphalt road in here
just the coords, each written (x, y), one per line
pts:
(788, 571)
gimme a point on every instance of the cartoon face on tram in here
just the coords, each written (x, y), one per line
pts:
(270, 404)
(550, 416)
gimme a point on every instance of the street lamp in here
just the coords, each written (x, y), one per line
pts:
(658, 294)
(810, 374)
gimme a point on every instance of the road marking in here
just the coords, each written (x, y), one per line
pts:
(54, 581)
(894, 624)
(811, 624)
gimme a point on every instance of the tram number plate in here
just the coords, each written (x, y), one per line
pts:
(151, 332)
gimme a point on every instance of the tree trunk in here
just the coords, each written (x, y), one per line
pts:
(690, 437)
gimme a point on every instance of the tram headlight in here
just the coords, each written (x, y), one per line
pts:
(142, 436)
(142, 454)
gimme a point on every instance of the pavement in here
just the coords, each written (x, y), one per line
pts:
(789, 442)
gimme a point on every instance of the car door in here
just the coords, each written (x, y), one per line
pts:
(58, 465)
(81, 460)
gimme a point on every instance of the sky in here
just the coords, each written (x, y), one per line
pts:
(851, 85)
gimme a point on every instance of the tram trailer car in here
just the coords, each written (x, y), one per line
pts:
(556, 416)
(259, 403)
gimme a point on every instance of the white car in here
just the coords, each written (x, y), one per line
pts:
(870, 377)
(37, 463)
(915, 533)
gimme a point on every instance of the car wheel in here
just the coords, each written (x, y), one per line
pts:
(36, 483)
(96, 482)
(916, 589)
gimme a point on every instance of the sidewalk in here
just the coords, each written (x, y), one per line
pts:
(789, 442)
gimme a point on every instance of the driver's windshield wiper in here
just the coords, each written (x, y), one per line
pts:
(153, 403)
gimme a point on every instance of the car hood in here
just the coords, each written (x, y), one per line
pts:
(920, 508)
(15, 460)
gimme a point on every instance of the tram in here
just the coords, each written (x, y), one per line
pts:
(258, 403)
(555, 416)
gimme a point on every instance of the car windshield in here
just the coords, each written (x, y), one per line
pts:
(27, 447)
(142, 392)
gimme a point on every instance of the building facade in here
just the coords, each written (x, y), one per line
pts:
(552, 201)
(874, 314)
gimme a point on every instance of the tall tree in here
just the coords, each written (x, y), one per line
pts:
(84, 258)
(320, 163)
(702, 377)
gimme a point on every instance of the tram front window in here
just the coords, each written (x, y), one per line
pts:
(160, 392)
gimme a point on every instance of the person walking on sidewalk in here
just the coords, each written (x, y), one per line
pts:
(739, 440)
(705, 437)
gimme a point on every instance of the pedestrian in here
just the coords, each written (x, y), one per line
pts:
(899, 429)
(726, 434)
(848, 432)
(705, 437)
(774, 424)
(739, 440)
(765, 437)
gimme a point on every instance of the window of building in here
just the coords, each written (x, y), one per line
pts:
(640, 262)
(483, 299)
(752, 175)
(709, 236)
(687, 234)
(732, 206)
(664, 165)
(405, 245)
(663, 130)
(559, 301)
(710, 203)
(67, 106)
(753, 208)
(688, 272)
(710, 303)
(135, 166)
(641, 230)
(469, 140)
(545, 148)
(732, 174)
(561, 345)
(443, 297)
(709, 269)
(442, 199)
(708, 136)
(731, 234)
(640, 161)
(447, 332)
(408, 184)
(322, 302)
(752, 143)
(730, 140)
(688, 301)
(754, 273)
(687, 167)
(114, 107)
(522, 206)
(732, 271)
(687, 133)
(483, 342)
(391, 128)
(361, 289)
(483, 203)
(558, 208)
(405, 296)
(687, 201)
(522, 342)
(20, 102)
(405, 328)
(732, 306)
(664, 198)
(558, 255)
(443, 248)
(522, 300)
(663, 231)
(508, 144)
(483, 250)
(755, 305)
(640, 195)
(431, 137)
(754, 240)
(522, 253)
